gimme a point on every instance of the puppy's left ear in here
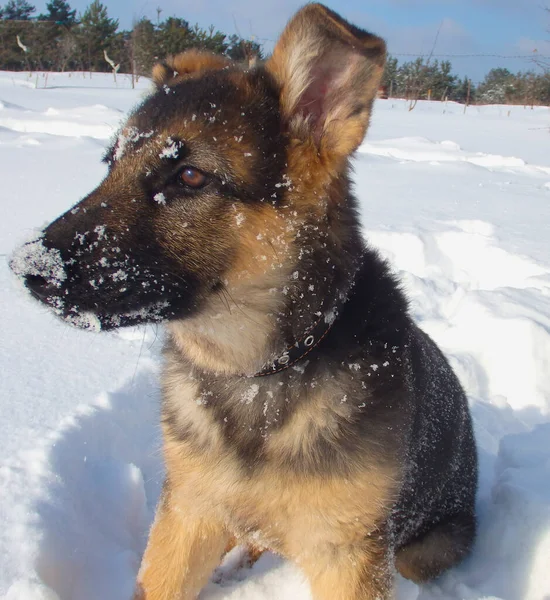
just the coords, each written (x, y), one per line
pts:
(192, 63)
(329, 72)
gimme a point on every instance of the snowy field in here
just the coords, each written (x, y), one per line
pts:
(461, 205)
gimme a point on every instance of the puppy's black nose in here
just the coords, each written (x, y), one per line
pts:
(40, 267)
(37, 285)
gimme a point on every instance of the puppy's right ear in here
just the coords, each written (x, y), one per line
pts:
(185, 65)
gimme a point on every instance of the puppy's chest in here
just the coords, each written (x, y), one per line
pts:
(276, 459)
(261, 419)
(270, 460)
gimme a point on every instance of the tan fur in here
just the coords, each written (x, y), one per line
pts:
(358, 574)
(264, 245)
(181, 553)
(232, 333)
(316, 418)
(187, 64)
(325, 525)
(182, 398)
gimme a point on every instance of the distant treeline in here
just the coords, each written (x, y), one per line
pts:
(422, 80)
(59, 40)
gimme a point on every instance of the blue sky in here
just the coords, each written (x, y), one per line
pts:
(504, 27)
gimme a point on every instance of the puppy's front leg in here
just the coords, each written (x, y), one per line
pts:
(181, 553)
(352, 573)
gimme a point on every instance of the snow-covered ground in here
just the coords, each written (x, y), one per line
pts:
(461, 205)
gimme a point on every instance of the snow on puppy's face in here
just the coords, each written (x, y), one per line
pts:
(164, 230)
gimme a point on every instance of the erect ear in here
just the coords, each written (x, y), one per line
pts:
(329, 72)
(187, 64)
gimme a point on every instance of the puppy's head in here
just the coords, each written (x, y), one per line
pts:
(213, 180)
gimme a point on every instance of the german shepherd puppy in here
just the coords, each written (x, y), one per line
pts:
(303, 410)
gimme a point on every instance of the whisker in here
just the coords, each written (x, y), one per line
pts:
(239, 307)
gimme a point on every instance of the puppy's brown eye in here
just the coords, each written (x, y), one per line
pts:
(192, 177)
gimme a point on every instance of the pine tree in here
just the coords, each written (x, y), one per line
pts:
(53, 35)
(96, 33)
(243, 50)
(442, 81)
(59, 12)
(412, 79)
(497, 87)
(18, 10)
(142, 47)
(465, 91)
(174, 35)
(389, 79)
(209, 39)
